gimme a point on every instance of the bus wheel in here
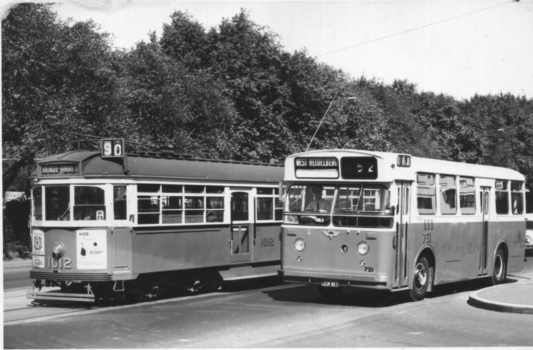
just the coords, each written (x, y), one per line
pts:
(499, 272)
(420, 280)
(329, 292)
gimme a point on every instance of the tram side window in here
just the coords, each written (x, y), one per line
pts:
(89, 203)
(177, 204)
(57, 203)
(269, 207)
(502, 197)
(426, 194)
(448, 193)
(120, 204)
(172, 209)
(517, 197)
(467, 197)
(148, 208)
(38, 203)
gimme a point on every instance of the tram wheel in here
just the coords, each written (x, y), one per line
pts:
(499, 270)
(329, 292)
(420, 280)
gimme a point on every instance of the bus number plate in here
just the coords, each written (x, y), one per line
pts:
(329, 284)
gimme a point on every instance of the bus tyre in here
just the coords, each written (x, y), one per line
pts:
(499, 271)
(420, 280)
(329, 292)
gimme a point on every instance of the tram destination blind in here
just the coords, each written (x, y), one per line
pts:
(359, 168)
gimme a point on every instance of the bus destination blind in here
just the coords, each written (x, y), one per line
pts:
(316, 167)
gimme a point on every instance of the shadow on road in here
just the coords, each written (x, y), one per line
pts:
(372, 298)
(348, 297)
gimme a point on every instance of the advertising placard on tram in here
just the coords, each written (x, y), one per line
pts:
(91, 249)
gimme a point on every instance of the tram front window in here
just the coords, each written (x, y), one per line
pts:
(57, 205)
(89, 203)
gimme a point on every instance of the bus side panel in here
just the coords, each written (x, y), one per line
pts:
(162, 249)
(456, 245)
(514, 234)
(267, 242)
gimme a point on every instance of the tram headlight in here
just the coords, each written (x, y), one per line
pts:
(58, 250)
(299, 244)
(363, 248)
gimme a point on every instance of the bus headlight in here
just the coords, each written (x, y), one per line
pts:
(58, 250)
(363, 248)
(299, 244)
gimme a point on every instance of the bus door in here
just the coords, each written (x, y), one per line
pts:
(401, 275)
(242, 226)
(485, 214)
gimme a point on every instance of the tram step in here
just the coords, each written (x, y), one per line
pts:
(89, 298)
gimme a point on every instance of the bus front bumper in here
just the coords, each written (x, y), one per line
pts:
(343, 280)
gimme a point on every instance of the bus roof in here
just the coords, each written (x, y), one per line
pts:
(389, 170)
(154, 165)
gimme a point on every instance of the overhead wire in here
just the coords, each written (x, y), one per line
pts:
(417, 28)
(212, 75)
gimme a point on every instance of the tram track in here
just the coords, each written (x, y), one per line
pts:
(19, 310)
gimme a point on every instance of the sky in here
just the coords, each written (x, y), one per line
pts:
(455, 47)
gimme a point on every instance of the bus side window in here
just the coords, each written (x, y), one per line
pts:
(517, 197)
(426, 194)
(502, 197)
(467, 197)
(448, 192)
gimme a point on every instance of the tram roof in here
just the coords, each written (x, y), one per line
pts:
(161, 165)
(418, 164)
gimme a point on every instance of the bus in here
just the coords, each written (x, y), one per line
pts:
(390, 221)
(106, 224)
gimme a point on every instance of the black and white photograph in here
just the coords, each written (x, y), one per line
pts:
(267, 174)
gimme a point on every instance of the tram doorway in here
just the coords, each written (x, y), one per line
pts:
(242, 227)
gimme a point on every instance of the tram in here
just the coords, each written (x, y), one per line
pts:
(106, 224)
(389, 221)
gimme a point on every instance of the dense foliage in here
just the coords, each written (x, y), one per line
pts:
(228, 92)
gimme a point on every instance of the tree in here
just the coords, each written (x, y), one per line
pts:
(175, 107)
(57, 77)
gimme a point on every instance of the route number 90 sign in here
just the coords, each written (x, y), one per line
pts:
(113, 148)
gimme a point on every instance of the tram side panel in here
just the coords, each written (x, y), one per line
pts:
(87, 254)
(267, 243)
(170, 249)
